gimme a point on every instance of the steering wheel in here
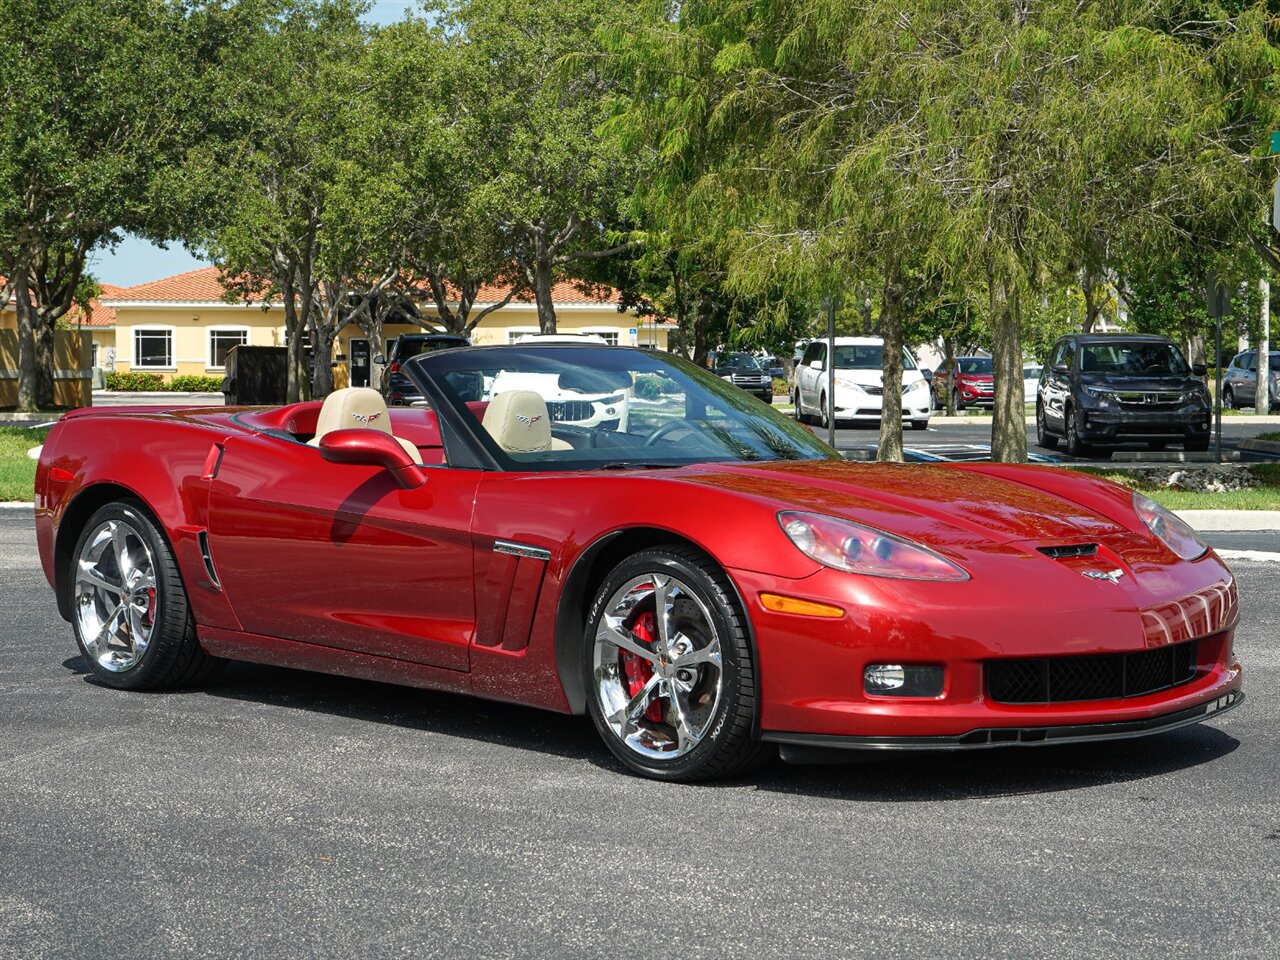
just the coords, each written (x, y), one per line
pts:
(669, 427)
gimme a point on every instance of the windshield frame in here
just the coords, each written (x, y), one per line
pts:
(468, 445)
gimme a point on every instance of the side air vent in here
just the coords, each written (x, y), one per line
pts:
(203, 539)
(1065, 550)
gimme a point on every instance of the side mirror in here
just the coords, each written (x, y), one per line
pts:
(815, 364)
(1060, 368)
(373, 448)
(380, 360)
(1199, 369)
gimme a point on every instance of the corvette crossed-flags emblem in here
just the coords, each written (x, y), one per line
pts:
(366, 417)
(528, 421)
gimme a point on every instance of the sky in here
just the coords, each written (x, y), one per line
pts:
(136, 261)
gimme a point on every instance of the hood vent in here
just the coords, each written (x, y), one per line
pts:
(1063, 551)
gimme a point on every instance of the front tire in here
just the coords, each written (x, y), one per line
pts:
(671, 683)
(799, 410)
(824, 414)
(1075, 446)
(130, 613)
(919, 424)
(957, 404)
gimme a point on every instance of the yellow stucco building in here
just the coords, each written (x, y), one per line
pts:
(182, 325)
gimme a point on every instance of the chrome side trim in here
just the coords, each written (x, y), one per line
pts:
(520, 550)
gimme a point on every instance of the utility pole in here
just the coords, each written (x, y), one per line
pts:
(831, 370)
(1219, 297)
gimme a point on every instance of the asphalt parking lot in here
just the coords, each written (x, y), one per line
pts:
(286, 814)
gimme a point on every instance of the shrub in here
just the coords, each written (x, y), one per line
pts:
(195, 384)
(135, 381)
(780, 388)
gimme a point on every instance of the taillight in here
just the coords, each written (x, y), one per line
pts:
(395, 367)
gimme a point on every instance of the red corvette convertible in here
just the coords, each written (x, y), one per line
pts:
(699, 574)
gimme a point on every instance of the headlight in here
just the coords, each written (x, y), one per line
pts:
(853, 548)
(917, 385)
(1169, 529)
(848, 384)
(1100, 393)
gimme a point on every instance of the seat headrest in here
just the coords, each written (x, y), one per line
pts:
(519, 422)
(353, 407)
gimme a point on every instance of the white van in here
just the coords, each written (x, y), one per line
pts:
(859, 384)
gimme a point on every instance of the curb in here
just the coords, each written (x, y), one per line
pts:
(1261, 446)
(17, 506)
(1218, 521)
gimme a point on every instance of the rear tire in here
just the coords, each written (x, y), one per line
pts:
(659, 719)
(1043, 437)
(129, 610)
(799, 410)
(1228, 398)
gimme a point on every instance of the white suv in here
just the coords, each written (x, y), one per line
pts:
(859, 384)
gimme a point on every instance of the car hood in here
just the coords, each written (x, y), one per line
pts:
(1113, 382)
(871, 378)
(937, 505)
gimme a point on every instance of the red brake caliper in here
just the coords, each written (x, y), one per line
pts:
(151, 605)
(639, 671)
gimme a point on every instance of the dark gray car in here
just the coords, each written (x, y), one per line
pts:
(1120, 388)
(1240, 380)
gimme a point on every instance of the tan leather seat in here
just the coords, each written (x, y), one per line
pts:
(353, 408)
(518, 421)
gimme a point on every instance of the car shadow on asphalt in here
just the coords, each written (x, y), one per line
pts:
(880, 778)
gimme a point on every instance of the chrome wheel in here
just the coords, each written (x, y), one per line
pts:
(116, 597)
(657, 666)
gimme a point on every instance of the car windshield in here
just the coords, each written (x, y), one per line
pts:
(737, 361)
(975, 365)
(419, 345)
(1134, 358)
(866, 356)
(605, 407)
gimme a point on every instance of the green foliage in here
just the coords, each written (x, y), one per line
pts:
(134, 381)
(190, 383)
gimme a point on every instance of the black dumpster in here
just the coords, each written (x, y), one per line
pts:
(256, 375)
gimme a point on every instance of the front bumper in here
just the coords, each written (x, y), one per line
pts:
(867, 407)
(988, 737)
(1112, 422)
(811, 670)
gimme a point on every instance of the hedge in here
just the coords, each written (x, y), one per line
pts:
(153, 382)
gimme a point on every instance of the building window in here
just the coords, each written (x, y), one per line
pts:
(153, 348)
(221, 342)
(610, 336)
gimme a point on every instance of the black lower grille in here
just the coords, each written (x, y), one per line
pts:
(1106, 677)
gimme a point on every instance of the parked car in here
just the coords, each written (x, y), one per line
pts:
(743, 370)
(1030, 381)
(773, 367)
(711, 584)
(1239, 381)
(396, 388)
(969, 382)
(1116, 388)
(859, 384)
(602, 403)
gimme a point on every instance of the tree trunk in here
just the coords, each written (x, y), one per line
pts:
(542, 281)
(890, 448)
(28, 395)
(948, 358)
(1090, 304)
(298, 384)
(44, 333)
(321, 361)
(701, 322)
(1195, 349)
(1262, 396)
(1008, 420)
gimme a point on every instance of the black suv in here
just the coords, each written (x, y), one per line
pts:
(1118, 388)
(397, 389)
(743, 370)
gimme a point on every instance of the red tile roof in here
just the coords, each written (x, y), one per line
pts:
(205, 286)
(195, 286)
